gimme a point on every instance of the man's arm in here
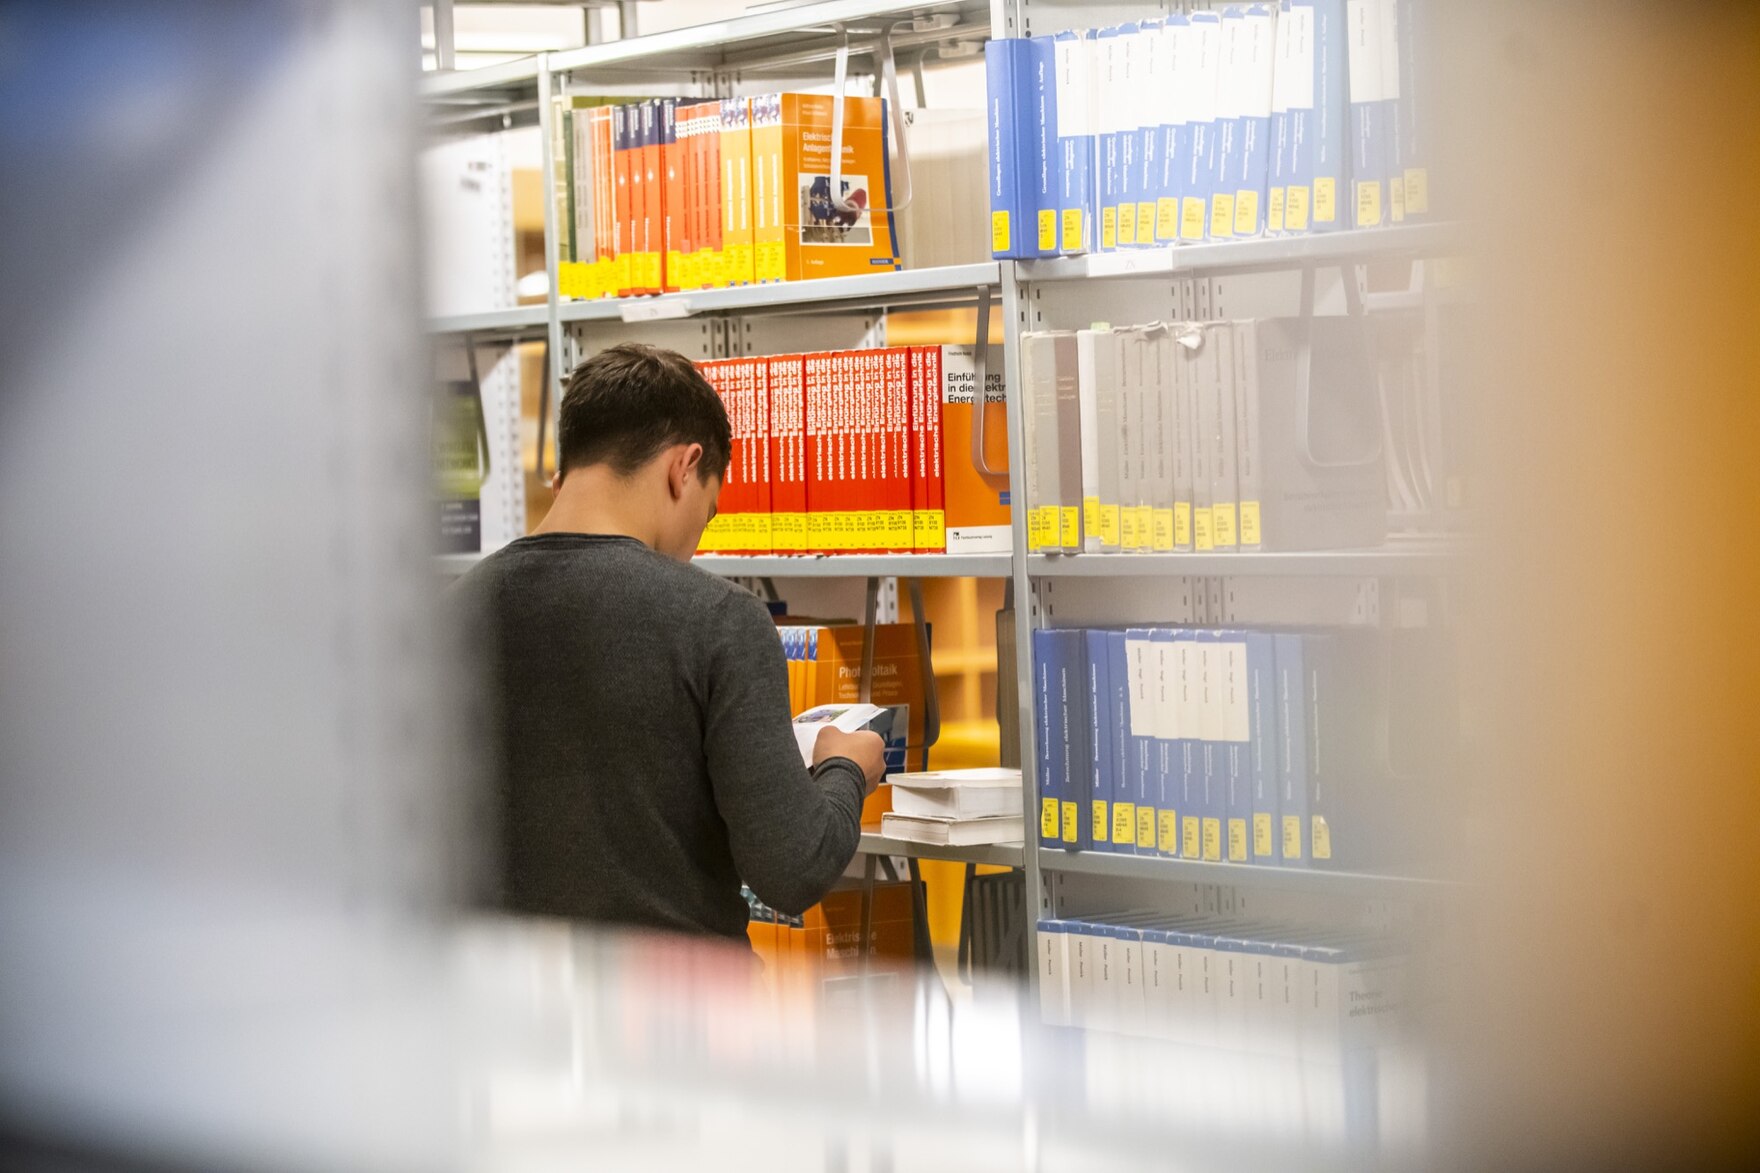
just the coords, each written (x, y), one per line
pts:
(792, 831)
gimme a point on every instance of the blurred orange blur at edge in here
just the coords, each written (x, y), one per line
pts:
(1612, 981)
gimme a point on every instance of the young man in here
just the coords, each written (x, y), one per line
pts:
(646, 759)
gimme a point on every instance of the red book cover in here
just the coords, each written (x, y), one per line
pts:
(765, 480)
(930, 525)
(871, 473)
(814, 372)
(788, 482)
(848, 493)
(895, 362)
(914, 439)
(742, 395)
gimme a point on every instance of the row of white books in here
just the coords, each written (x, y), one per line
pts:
(1237, 985)
(1204, 436)
(956, 808)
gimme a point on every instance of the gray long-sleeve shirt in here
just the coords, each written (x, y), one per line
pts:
(646, 761)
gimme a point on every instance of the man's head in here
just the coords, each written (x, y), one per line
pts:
(647, 418)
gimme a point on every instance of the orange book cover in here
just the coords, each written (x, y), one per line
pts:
(738, 250)
(842, 233)
(686, 213)
(976, 509)
(600, 134)
(624, 151)
(898, 679)
(653, 200)
(670, 179)
(769, 243)
(788, 481)
(709, 257)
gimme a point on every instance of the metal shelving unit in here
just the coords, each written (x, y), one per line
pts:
(918, 288)
(1008, 855)
(728, 57)
(525, 319)
(1276, 252)
(1148, 867)
(1394, 559)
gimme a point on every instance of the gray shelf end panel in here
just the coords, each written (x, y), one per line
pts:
(1148, 867)
(1396, 559)
(855, 565)
(1008, 855)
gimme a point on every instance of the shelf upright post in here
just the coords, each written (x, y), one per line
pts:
(555, 368)
(1014, 301)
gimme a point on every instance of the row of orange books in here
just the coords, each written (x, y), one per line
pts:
(860, 451)
(800, 953)
(667, 194)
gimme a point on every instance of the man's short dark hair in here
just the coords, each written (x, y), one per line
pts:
(626, 405)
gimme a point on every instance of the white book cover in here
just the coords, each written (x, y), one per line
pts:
(1053, 973)
(953, 832)
(1224, 487)
(1097, 376)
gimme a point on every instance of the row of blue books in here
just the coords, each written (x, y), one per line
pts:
(1281, 749)
(1288, 118)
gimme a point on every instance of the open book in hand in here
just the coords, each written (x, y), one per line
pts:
(846, 718)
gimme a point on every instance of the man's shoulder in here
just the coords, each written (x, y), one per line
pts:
(672, 585)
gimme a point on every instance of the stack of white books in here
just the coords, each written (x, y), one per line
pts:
(957, 808)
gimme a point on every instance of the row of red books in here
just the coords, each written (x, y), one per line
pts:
(859, 452)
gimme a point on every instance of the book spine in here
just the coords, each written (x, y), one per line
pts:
(917, 449)
(736, 193)
(1188, 670)
(1049, 740)
(1368, 159)
(770, 257)
(1211, 659)
(1038, 371)
(1124, 135)
(1247, 441)
(671, 207)
(1175, 31)
(1074, 52)
(1074, 804)
(1237, 740)
(1292, 750)
(1138, 772)
(1203, 78)
(1089, 357)
(900, 523)
(1133, 534)
(1159, 428)
(869, 474)
(1146, 66)
(624, 226)
(1122, 745)
(1412, 24)
(1329, 149)
(1003, 60)
(1096, 829)
(1068, 438)
(1224, 484)
(1042, 146)
(1179, 370)
(1158, 806)
(813, 374)
(1262, 750)
(1201, 410)
(1228, 125)
(1259, 50)
(1109, 66)
(763, 443)
(1277, 165)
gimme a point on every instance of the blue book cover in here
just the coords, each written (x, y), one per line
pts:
(1176, 47)
(1368, 113)
(1146, 69)
(1190, 716)
(1262, 716)
(1213, 660)
(1237, 744)
(1203, 80)
(1122, 746)
(1157, 828)
(1292, 751)
(1045, 184)
(1075, 142)
(1230, 90)
(1095, 817)
(1006, 71)
(1253, 112)
(1141, 771)
(1070, 744)
(1318, 97)
(1049, 741)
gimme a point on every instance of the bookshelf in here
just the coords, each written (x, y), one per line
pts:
(1320, 273)
(1008, 855)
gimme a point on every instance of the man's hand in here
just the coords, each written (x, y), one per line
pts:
(863, 747)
